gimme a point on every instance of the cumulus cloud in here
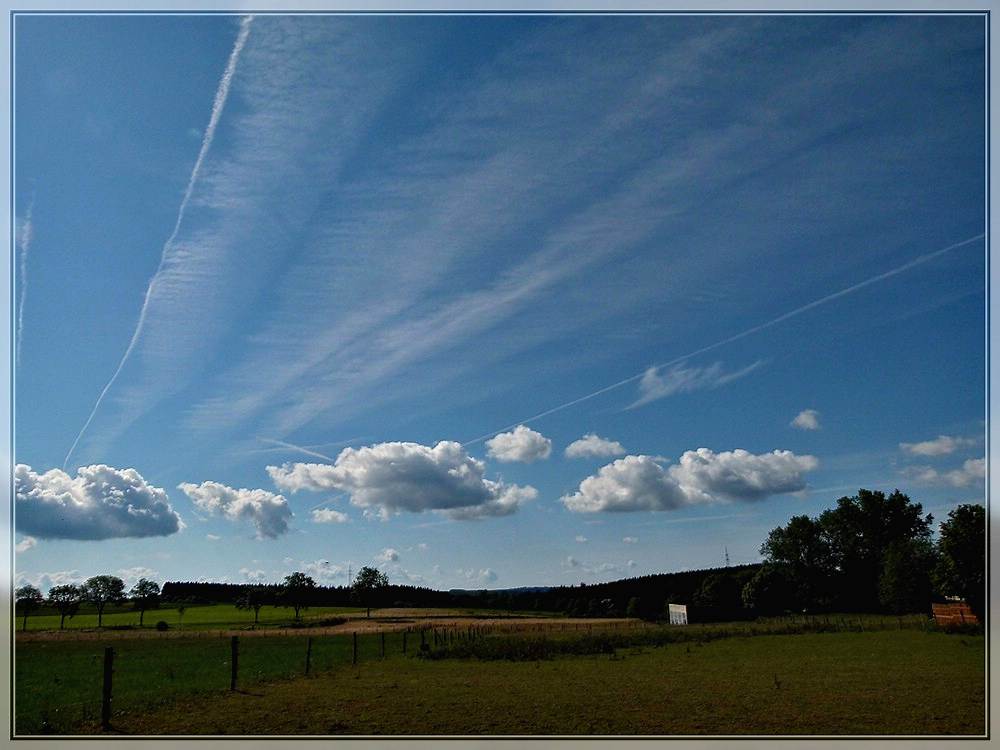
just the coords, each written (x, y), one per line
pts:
(680, 379)
(581, 539)
(630, 539)
(592, 445)
(940, 446)
(807, 419)
(253, 576)
(483, 576)
(269, 513)
(388, 555)
(740, 475)
(99, 503)
(702, 477)
(523, 444)
(321, 570)
(328, 515)
(629, 484)
(389, 478)
(972, 472)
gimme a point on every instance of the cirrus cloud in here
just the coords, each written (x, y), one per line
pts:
(389, 478)
(269, 513)
(101, 502)
(522, 444)
(702, 477)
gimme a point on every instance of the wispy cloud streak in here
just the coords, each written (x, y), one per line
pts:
(219, 103)
(24, 238)
(743, 334)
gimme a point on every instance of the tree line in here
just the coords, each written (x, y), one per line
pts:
(871, 553)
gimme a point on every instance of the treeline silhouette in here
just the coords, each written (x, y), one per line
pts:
(642, 596)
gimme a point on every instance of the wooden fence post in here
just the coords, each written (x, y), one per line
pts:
(383, 644)
(109, 658)
(235, 649)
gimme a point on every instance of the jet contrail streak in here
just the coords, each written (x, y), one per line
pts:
(299, 448)
(780, 319)
(23, 243)
(220, 100)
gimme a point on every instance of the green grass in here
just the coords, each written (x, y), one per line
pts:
(892, 682)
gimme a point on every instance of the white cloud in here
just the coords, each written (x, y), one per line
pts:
(807, 419)
(99, 503)
(327, 515)
(940, 446)
(388, 555)
(740, 475)
(390, 478)
(269, 513)
(629, 484)
(45, 581)
(630, 539)
(25, 544)
(681, 379)
(972, 472)
(253, 576)
(592, 445)
(523, 444)
(483, 576)
(131, 576)
(321, 571)
(581, 539)
(639, 483)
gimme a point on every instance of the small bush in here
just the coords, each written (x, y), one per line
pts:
(162, 625)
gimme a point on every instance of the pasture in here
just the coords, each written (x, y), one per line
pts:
(892, 678)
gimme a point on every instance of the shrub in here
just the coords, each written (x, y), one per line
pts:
(162, 625)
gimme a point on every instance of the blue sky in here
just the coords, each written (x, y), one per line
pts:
(486, 301)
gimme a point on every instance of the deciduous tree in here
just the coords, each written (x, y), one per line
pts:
(297, 592)
(253, 598)
(28, 598)
(367, 585)
(145, 595)
(961, 570)
(103, 590)
(66, 599)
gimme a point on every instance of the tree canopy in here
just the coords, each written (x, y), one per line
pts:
(961, 569)
(367, 585)
(851, 556)
(103, 590)
(297, 591)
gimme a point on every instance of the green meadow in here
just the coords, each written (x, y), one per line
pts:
(692, 680)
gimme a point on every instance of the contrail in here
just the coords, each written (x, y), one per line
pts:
(290, 446)
(217, 106)
(780, 319)
(24, 238)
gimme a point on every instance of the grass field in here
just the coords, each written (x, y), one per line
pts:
(194, 617)
(884, 682)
